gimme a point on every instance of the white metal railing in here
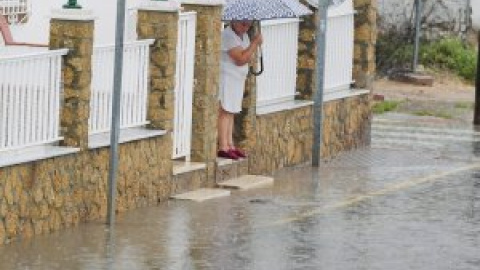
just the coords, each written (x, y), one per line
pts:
(280, 50)
(339, 48)
(133, 112)
(14, 9)
(30, 86)
(182, 127)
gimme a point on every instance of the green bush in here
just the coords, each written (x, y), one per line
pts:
(450, 54)
(395, 51)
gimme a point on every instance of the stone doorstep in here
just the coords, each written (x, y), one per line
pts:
(229, 169)
(247, 182)
(181, 167)
(202, 194)
(225, 161)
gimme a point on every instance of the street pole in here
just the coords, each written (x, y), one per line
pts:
(320, 74)
(476, 113)
(115, 127)
(418, 20)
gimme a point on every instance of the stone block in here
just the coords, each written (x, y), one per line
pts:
(415, 79)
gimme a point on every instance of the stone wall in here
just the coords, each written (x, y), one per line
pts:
(285, 138)
(48, 195)
(346, 125)
(162, 26)
(77, 36)
(206, 84)
(364, 66)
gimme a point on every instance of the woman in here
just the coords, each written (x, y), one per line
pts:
(237, 52)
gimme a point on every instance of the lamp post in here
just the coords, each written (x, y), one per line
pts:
(72, 4)
(418, 24)
(475, 16)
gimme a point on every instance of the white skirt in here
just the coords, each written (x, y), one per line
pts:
(232, 87)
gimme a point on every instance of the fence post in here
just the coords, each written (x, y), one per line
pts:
(207, 75)
(307, 55)
(159, 21)
(73, 29)
(365, 40)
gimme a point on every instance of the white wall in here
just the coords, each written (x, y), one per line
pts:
(475, 14)
(37, 28)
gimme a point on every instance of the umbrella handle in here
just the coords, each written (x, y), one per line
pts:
(251, 70)
(258, 73)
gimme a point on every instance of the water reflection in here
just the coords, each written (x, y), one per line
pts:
(307, 220)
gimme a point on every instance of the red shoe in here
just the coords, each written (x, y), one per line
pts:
(239, 153)
(227, 154)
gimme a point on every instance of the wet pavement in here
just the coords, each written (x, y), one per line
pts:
(411, 201)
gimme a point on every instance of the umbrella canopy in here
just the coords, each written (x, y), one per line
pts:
(254, 10)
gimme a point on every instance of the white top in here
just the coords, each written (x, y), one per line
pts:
(232, 77)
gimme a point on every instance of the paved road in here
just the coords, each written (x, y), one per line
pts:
(411, 201)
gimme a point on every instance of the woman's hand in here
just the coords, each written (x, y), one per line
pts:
(243, 56)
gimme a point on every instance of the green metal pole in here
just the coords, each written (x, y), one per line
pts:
(318, 98)
(72, 4)
(115, 129)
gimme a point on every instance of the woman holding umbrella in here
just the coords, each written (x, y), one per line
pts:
(237, 52)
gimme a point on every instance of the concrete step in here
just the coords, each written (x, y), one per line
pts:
(228, 169)
(202, 194)
(247, 182)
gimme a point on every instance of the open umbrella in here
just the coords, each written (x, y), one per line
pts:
(258, 10)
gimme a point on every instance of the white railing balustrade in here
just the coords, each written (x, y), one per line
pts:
(182, 127)
(14, 9)
(280, 52)
(133, 112)
(339, 48)
(30, 86)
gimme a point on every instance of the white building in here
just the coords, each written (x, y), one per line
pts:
(440, 17)
(475, 14)
(37, 27)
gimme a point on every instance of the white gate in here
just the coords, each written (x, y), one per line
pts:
(339, 47)
(280, 49)
(182, 126)
(134, 98)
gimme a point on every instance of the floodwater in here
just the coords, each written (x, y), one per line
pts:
(391, 206)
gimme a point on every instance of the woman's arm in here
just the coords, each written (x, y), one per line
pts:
(243, 56)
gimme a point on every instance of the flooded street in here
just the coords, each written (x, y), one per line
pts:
(411, 204)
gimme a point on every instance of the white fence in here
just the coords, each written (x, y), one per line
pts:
(182, 127)
(339, 48)
(133, 112)
(280, 47)
(280, 53)
(30, 86)
(14, 9)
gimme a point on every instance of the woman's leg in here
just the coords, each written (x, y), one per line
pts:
(223, 128)
(231, 127)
